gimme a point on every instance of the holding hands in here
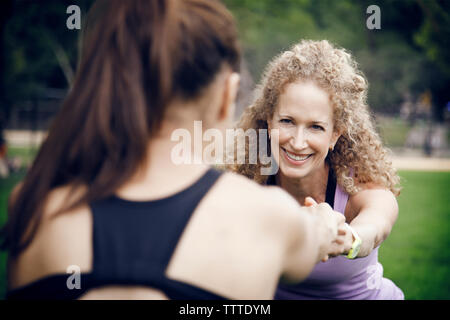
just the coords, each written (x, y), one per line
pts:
(336, 233)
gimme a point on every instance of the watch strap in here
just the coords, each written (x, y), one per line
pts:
(356, 245)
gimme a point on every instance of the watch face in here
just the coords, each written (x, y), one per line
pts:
(356, 247)
(353, 253)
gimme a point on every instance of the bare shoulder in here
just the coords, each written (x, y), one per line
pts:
(65, 231)
(250, 191)
(270, 202)
(60, 241)
(280, 222)
(55, 200)
(371, 196)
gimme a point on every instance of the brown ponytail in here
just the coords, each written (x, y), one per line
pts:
(137, 55)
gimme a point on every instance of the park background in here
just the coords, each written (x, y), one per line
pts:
(407, 64)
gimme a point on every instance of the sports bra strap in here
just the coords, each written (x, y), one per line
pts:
(136, 239)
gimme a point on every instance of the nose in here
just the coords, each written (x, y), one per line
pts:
(299, 139)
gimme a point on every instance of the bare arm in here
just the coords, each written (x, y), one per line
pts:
(310, 232)
(376, 211)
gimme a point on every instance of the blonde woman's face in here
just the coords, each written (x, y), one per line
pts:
(304, 117)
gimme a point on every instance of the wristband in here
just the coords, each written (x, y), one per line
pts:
(356, 245)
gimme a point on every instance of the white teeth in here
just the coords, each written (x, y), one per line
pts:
(295, 157)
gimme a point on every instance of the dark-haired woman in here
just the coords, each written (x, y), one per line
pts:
(104, 213)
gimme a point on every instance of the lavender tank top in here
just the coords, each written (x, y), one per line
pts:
(342, 278)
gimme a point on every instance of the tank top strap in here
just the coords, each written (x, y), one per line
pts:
(336, 197)
(341, 197)
(136, 239)
(191, 199)
(340, 200)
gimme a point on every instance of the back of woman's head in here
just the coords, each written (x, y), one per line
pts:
(137, 56)
(157, 50)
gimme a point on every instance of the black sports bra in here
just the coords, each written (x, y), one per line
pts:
(133, 242)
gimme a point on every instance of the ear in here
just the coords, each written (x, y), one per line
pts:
(334, 138)
(229, 96)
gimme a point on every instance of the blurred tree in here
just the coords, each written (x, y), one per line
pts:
(409, 55)
(434, 34)
(5, 8)
(38, 50)
(268, 27)
(434, 37)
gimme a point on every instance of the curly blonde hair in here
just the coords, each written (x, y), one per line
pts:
(358, 156)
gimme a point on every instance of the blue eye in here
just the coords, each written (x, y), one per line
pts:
(317, 127)
(285, 120)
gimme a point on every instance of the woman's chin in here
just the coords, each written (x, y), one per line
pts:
(294, 173)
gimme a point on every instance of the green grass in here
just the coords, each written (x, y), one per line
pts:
(416, 255)
(27, 154)
(6, 186)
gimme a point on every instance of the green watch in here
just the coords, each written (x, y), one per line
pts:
(356, 245)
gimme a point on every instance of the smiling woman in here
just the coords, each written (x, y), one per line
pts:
(304, 119)
(104, 198)
(358, 155)
(328, 150)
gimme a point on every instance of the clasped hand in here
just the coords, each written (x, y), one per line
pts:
(340, 237)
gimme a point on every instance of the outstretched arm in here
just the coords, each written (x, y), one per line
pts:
(375, 211)
(312, 230)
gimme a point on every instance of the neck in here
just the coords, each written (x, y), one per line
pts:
(160, 174)
(314, 185)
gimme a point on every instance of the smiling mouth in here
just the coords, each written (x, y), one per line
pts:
(296, 157)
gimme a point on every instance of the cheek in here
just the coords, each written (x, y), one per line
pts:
(283, 137)
(274, 147)
(320, 143)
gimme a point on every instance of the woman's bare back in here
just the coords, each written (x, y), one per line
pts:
(233, 245)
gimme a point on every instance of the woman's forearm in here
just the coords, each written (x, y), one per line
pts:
(377, 211)
(371, 234)
(368, 235)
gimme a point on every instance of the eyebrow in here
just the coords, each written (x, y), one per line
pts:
(284, 116)
(321, 123)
